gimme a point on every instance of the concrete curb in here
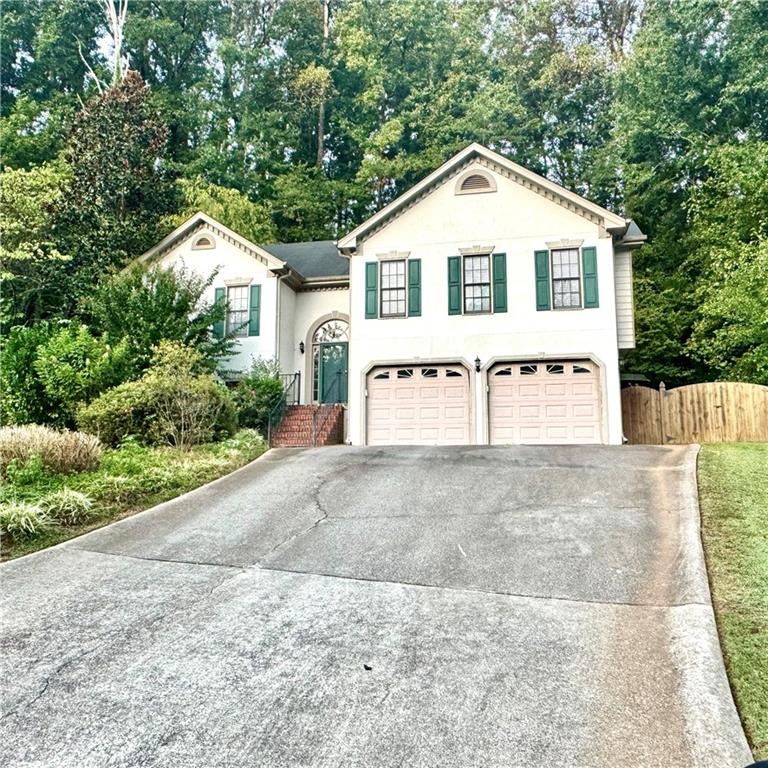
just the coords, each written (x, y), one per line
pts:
(713, 726)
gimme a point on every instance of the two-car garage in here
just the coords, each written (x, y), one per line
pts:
(528, 402)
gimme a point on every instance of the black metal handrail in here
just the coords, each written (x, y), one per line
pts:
(326, 410)
(292, 387)
(289, 396)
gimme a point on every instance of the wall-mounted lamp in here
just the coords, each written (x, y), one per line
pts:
(477, 364)
(301, 347)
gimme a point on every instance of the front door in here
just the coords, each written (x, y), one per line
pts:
(332, 359)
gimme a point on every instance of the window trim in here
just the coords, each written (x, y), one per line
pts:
(388, 315)
(552, 278)
(241, 331)
(475, 172)
(464, 284)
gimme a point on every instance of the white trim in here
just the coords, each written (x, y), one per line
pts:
(477, 250)
(501, 164)
(233, 282)
(559, 245)
(457, 190)
(393, 256)
(194, 223)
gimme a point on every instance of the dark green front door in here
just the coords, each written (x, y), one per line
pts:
(332, 359)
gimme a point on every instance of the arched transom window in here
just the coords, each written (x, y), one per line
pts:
(333, 330)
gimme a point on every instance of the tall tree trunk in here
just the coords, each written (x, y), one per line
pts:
(321, 107)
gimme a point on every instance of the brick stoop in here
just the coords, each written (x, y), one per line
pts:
(295, 430)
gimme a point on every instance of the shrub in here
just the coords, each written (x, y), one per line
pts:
(145, 306)
(123, 411)
(23, 399)
(171, 404)
(255, 400)
(20, 520)
(67, 507)
(74, 366)
(59, 451)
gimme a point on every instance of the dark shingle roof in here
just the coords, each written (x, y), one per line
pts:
(318, 259)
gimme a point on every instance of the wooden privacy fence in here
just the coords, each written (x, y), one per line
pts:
(715, 412)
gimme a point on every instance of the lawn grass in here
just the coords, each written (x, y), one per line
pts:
(733, 489)
(128, 479)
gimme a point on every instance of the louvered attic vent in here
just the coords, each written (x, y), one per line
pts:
(476, 182)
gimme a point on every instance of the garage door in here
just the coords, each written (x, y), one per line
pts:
(545, 402)
(418, 405)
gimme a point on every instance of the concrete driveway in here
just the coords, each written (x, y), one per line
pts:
(380, 607)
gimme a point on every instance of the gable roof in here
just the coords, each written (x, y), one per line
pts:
(616, 225)
(202, 220)
(312, 259)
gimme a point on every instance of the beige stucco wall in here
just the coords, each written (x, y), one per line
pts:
(516, 221)
(234, 265)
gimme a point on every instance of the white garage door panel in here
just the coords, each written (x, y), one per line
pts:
(550, 402)
(418, 405)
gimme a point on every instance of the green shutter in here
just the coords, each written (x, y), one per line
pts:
(499, 282)
(371, 289)
(589, 260)
(454, 285)
(414, 287)
(542, 280)
(220, 297)
(254, 317)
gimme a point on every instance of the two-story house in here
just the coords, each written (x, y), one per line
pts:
(486, 305)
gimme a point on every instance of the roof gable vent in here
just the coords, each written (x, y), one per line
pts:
(474, 182)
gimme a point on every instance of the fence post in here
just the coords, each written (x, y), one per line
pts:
(662, 415)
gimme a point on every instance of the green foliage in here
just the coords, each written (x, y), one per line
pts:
(31, 264)
(123, 411)
(120, 190)
(73, 366)
(22, 396)
(733, 486)
(146, 305)
(233, 209)
(173, 403)
(257, 394)
(55, 451)
(128, 478)
(20, 520)
(67, 507)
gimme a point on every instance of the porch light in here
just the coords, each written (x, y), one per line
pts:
(301, 347)
(477, 364)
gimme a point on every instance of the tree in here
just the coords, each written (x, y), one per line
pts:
(147, 305)
(120, 190)
(230, 207)
(31, 264)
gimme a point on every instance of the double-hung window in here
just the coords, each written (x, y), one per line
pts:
(237, 310)
(393, 288)
(477, 284)
(566, 279)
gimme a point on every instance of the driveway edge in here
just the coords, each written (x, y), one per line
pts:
(713, 725)
(157, 507)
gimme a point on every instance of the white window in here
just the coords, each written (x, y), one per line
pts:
(566, 279)
(477, 284)
(393, 288)
(237, 310)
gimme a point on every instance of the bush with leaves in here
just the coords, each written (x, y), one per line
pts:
(21, 520)
(175, 403)
(145, 306)
(23, 399)
(67, 507)
(258, 393)
(60, 452)
(74, 366)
